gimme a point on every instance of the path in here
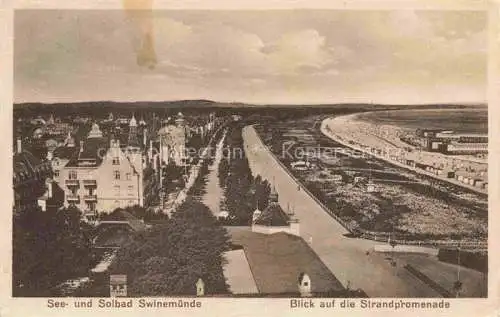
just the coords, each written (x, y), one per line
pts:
(346, 258)
(214, 193)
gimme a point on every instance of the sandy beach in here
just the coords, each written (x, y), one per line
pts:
(387, 138)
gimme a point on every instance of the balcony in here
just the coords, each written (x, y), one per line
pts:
(90, 197)
(72, 182)
(72, 198)
(89, 183)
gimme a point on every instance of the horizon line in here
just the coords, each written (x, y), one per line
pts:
(479, 103)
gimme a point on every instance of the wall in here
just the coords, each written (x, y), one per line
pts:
(271, 230)
(129, 194)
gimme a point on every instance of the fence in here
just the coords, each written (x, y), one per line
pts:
(373, 235)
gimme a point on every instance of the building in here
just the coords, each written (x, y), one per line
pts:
(58, 128)
(53, 198)
(103, 176)
(277, 265)
(118, 285)
(371, 187)
(466, 148)
(30, 175)
(274, 219)
(172, 139)
(61, 155)
(449, 142)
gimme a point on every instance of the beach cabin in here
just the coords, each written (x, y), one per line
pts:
(300, 165)
(410, 163)
(336, 178)
(359, 179)
(479, 183)
(371, 187)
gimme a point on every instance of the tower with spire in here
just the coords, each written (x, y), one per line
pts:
(51, 119)
(134, 154)
(133, 141)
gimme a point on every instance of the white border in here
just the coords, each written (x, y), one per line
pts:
(254, 306)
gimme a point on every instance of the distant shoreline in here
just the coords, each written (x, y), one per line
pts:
(373, 117)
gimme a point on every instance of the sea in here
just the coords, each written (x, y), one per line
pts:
(458, 120)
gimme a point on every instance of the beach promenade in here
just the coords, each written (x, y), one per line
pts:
(352, 134)
(351, 260)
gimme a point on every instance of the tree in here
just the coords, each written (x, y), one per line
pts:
(48, 248)
(169, 258)
(262, 191)
(223, 171)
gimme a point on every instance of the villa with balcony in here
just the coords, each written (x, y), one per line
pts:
(103, 175)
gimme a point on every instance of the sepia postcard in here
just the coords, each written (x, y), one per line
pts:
(251, 158)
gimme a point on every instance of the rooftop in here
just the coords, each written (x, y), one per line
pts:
(92, 153)
(277, 260)
(65, 152)
(273, 215)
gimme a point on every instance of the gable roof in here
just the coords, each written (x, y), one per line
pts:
(92, 153)
(273, 215)
(65, 152)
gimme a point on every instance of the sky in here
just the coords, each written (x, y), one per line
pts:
(280, 56)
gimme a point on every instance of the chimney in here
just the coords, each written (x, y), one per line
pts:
(304, 285)
(49, 188)
(19, 145)
(81, 146)
(200, 287)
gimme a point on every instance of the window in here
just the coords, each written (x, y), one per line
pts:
(128, 176)
(116, 160)
(73, 175)
(117, 190)
(56, 173)
(117, 174)
(130, 190)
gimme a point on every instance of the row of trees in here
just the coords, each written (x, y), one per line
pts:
(49, 248)
(141, 213)
(171, 257)
(243, 193)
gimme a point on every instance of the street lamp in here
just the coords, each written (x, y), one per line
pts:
(457, 286)
(393, 243)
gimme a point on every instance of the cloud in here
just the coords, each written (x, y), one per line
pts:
(218, 49)
(249, 55)
(302, 51)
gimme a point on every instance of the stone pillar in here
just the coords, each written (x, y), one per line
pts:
(200, 287)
